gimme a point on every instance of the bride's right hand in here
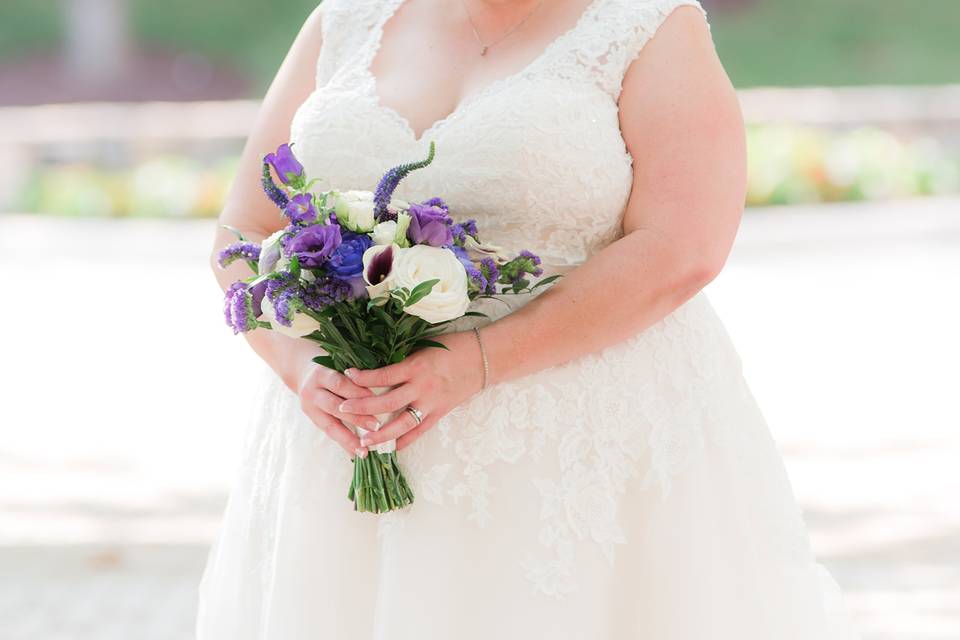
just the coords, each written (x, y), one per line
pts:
(321, 391)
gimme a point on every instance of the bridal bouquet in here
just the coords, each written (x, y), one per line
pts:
(370, 279)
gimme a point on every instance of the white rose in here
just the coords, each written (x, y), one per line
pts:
(376, 289)
(269, 253)
(448, 299)
(384, 232)
(300, 326)
(480, 250)
(355, 210)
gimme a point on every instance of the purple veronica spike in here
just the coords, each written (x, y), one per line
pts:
(429, 225)
(275, 193)
(390, 180)
(239, 251)
(301, 209)
(286, 165)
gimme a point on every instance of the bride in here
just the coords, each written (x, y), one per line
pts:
(608, 474)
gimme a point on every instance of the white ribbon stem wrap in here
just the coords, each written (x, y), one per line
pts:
(384, 418)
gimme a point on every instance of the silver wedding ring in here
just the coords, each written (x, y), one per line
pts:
(416, 413)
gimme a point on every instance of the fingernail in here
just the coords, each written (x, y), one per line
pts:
(342, 408)
(373, 425)
(360, 451)
(365, 442)
(350, 372)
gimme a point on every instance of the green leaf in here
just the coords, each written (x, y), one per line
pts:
(475, 314)
(326, 361)
(420, 344)
(295, 266)
(420, 292)
(235, 232)
(520, 285)
(546, 280)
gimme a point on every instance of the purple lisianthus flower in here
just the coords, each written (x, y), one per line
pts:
(286, 165)
(301, 209)
(347, 260)
(239, 251)
(429, 225)
(313, 245)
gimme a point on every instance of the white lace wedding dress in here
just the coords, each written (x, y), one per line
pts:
(634, 493)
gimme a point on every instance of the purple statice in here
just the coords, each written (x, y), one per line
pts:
(533, 268)
(514, 272)
(238, 308)
(437, 202)
(491, 273)
(277, 195)
(301, 209)
(461, 230)
(429, 225)
(325, 291)
(314, 244)
(476, 276)
(388, 184)
(285, 293)
(288, 168)
(239, 251)
(347, 260)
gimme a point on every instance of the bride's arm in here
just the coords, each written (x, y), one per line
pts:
(248, 209)
(682, 124)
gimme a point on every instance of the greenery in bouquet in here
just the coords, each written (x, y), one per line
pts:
(370, 278)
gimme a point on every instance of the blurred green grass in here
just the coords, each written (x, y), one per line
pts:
(773, 42)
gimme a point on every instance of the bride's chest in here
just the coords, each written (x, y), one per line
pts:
(539, 159)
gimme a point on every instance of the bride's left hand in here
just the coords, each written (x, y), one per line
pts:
(433, 380)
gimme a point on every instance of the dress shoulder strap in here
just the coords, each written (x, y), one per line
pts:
(344, 25)
(610, 36)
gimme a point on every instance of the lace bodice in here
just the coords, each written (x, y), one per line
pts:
(536, 157)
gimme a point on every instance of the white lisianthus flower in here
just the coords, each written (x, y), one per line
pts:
(354, 210)
(448, 299)
(480, 250)
(384, 232)
(269, 253)
(301, 325)
(382, 274)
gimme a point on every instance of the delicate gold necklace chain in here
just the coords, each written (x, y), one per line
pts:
(485, 47)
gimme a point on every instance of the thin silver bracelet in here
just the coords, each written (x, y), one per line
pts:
(483, 354)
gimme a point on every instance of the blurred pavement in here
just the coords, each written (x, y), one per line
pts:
(124, 395)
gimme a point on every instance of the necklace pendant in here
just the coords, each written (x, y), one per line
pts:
(483, 51)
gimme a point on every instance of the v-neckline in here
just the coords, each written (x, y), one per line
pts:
(461, 107)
